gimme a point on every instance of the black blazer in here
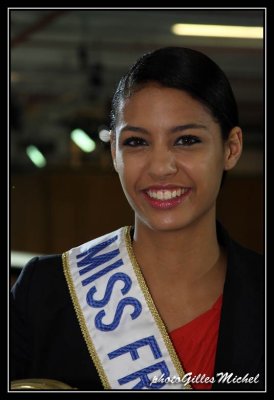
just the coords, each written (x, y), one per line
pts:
(46, 340)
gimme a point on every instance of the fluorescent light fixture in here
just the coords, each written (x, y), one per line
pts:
(36, 156)
(228, 31)
(82, 140)
(19, 258)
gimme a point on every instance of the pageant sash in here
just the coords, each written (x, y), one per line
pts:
(124, 333)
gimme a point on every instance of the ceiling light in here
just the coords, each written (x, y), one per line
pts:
(36, 156)
(229, 31)
(82, 140)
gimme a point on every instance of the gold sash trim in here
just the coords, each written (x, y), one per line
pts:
(82, 324)
(152, 307)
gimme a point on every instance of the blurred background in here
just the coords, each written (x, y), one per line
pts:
(64, 67)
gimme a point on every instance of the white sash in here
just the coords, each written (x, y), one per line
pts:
(125, 335)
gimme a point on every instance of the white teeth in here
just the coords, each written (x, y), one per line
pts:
(165, 194)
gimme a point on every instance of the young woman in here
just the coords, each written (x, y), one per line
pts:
(171, 302)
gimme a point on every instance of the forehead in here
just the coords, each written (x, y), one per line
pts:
(154, 101)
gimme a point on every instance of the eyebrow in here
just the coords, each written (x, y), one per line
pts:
(175, 129)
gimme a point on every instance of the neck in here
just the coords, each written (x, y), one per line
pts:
(189, 253)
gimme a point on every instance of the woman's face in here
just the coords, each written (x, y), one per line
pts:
(169, 154)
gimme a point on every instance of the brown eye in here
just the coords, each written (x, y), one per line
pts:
(134, 142)
(187, 140)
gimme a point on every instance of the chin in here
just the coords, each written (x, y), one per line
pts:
(164, 224)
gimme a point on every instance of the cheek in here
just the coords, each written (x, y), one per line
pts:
(204, 168)
(126, 168)
(211, 171)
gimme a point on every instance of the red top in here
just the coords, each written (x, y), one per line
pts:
(196, 343)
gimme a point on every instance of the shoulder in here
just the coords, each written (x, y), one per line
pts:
(49, 261)
(41, 278)
(245, 282)
(41, 266)
(243, 263)
(247, 262)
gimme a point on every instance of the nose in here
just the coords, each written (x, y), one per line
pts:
(162, 163)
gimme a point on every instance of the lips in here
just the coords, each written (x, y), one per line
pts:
(165, 197)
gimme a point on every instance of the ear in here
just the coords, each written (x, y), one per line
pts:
(233, 148)
(113, 148)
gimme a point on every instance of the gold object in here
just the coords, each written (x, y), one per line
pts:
(39, 384)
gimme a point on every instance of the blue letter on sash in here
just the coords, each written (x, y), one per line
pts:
(142, 374)
(145, 381)
(90, 253)
(119, 311)
(102, 272)
(89, 261)
(119, 276)
(132, 348)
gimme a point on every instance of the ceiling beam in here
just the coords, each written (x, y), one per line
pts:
(36, 27)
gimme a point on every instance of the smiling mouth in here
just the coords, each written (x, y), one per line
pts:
(164, 199)
(166, 194)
